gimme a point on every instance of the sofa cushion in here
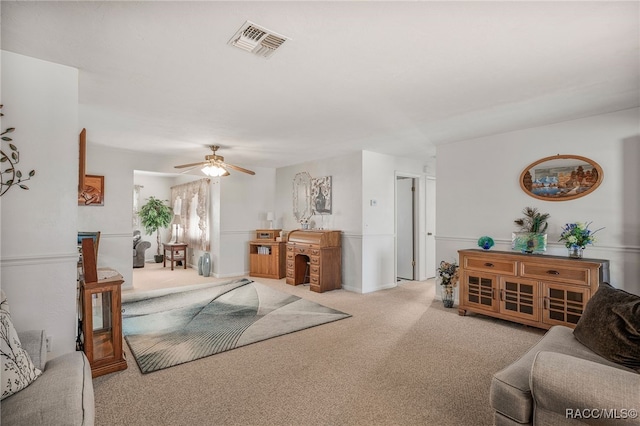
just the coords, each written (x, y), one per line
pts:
(63, 395)
(610, 326)
(18, 371)
(510, 394)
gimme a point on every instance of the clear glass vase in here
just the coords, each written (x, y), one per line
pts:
(447, 296)
(576, 252)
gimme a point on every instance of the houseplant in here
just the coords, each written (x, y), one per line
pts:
(531, 236)
(576, 236)
(448, 273)
(155, 214)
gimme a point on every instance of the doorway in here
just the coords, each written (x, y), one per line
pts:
(406, 228)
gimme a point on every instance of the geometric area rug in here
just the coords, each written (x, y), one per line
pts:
(164, 330)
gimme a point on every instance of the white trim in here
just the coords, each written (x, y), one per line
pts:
(506, 241)
(39, 259)
(120, 235)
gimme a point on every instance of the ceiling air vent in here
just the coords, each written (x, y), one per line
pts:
(257, 40)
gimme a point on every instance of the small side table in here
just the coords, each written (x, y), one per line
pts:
(175, 249)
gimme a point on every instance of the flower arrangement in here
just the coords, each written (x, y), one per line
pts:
(448, 273)
(577, 235)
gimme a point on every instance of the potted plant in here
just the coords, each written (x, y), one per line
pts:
(448, 273)
(532, 237)
(153, 216)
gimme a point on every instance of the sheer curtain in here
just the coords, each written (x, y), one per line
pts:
(136, 206)
(193, 216)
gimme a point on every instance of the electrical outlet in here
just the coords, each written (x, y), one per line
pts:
(49, 343)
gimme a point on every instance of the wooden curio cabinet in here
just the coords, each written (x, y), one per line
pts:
(101, 315)
(537, 290)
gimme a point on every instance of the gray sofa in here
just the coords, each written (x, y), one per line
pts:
(139, 249)
(560, 381)
(62, 395)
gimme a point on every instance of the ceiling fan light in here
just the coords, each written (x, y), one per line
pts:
(214, 171)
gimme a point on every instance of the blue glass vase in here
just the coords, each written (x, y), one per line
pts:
(200, 265)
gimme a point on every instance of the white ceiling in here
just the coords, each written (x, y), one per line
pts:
(391, 77)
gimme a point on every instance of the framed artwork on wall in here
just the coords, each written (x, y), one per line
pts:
(93, 192)
(561, 177)
(321, 202)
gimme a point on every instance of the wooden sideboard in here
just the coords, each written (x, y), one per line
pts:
(536, 290)
(316, 254)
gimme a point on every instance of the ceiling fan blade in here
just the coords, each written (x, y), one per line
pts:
(189, 169)
(201, 163)
(238, 168)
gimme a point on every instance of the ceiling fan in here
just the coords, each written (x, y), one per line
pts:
(214, 165)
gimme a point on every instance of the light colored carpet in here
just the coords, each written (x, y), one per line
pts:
(401, 359)
(169, 329)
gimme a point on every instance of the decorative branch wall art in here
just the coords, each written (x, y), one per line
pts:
(10, 175)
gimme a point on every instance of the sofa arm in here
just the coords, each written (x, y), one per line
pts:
(569, 390)
(35, 343)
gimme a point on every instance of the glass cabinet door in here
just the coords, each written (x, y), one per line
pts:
(519, 298)
(479, 290)
(564, 305)
(103, 337)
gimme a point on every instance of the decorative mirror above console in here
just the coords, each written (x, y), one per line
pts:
(302, 197)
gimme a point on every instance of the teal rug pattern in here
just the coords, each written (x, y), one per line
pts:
(164, 329)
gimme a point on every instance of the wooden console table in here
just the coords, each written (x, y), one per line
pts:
(175, 256)
(536, 290)
(316, 254)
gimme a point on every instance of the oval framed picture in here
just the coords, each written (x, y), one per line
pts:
(561, 177)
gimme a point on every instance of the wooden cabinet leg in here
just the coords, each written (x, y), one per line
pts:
(462, 312)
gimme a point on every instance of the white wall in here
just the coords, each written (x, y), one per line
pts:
(242, 207)
(38, 233)
(114, 220)
(346, 215)
(379, 222)
(240, 201)
(158, 186)
(478, 191)
(368, 232)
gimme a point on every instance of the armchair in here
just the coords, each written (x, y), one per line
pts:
(590, 375)
(139, 248)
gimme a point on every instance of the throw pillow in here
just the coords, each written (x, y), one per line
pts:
(18, 370)
(610, 326)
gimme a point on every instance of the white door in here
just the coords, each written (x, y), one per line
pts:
(431, 228)
(405, 261)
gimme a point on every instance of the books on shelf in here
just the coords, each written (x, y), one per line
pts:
(264, 250)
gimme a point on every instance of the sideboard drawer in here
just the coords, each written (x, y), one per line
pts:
(565, 274)
(504, 267)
